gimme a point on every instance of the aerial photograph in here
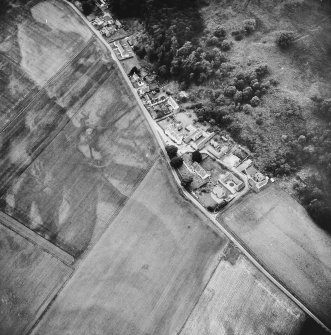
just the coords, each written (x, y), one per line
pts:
(165, 167)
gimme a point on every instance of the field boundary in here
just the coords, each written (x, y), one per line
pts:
(36, 239)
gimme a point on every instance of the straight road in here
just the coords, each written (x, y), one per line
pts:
(219, 227)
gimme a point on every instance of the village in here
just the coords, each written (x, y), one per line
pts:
(210, 164)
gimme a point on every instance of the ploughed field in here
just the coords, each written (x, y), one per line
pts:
(73, 145)
(277, 229)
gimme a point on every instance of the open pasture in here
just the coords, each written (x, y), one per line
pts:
(239, 300)
(146, 272)
(29, 279)
(280, 233)
(75, 147)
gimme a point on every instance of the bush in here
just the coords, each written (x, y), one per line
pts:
(262, 70)
(171, 151)
(249, 26)
(259, 121)
(87, 7)
(255, 101)
(196, 156)
(187, 180)
(285, 39)
(225, 45)
(247, 93)
(238, 34)
(230, 91)
(238, 97)
(176, 162)
(220, 32)
(213, 40)
(247, 109)
(325, 108)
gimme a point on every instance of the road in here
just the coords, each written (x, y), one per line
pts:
(187, 195)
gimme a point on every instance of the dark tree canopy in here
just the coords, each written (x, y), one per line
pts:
(171, 150)
(176, 162)
(196, 156)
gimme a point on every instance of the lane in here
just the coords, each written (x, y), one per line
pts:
(233, 238)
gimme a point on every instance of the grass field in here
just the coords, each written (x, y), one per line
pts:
(29, 278)
(146, 272)
(239, 300)
(278, 230)
(75, 146)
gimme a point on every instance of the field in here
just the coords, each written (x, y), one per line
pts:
(245, 303)
(278, 230)
(75, 146)
(30, 277)
(146, 272)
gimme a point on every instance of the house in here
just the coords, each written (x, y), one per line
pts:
(172, 133)
(219, 151)
(191, 131)
(124, 53)
(231, 182)
(108, 19)
(231, 160)
(173, 104)
(118, 24)
(197, 145)
(142, 90)
(200, 171)
(256, 179)
(97, 23)
(244, 165)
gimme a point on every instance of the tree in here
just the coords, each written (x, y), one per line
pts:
(87, 6)
(196, 156)
(176, 162)
(171, 151)
(220, 32)
(187, 180)
(325, 108)
(285, 39)
(249, 26)
(225, 45)
(255, 101)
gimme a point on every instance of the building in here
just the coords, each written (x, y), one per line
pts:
(256, 179)
(172, 133)
(142, 90)
(206, 137)
(244, 165)
(108, 19)
(231, 182)
(173, 104)
(200, 171)
(123, 53)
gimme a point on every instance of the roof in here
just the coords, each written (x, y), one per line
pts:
(173, 103)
